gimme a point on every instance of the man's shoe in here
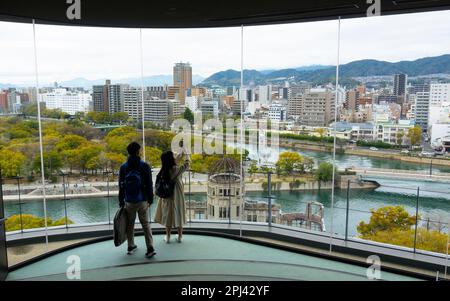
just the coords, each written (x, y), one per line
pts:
(131, 250)
(150, 253)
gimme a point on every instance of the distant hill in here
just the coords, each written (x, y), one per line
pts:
(362, 68)
(154, 80)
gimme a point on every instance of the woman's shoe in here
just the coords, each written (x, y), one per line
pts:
(167, 239)
(179, 238)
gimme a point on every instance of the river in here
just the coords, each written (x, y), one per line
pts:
(434, 200)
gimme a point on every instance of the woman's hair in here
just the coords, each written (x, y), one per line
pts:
(167, 163)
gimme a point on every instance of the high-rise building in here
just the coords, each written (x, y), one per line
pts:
(115, 94)
(351, 100)
(13, 99)
(197, 91)
(422, 109)
(295, 105)
(210, 108)
(238, 106)
(317, 108)
(439, 114)
(420, 88)
(132, 102)
(245, 94)
(400, 81)
(191, 102)
(3, 101)
(175, 109)
(160, 92)
(156, 111)
(100, 97)
(277, 112)
(439, 93)
(108, 98)
(173, 92)
(265, 94)
(313, 108)
(283, 93)
(182, 78)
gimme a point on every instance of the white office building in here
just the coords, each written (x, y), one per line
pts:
(191, 102)
(277, 112)
(438, 133)
(439, 113)
(439, 93)
(210, 108)
(68, 101)
(386, 130)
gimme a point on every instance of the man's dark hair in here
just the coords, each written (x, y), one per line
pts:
(133, 148)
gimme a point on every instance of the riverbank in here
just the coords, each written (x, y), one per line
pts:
(258, 185)
(367, 153)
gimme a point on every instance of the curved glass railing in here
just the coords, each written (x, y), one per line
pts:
(277, 126)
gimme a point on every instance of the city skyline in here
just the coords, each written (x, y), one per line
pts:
(66, 53)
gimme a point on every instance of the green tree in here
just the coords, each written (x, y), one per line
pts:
(114, 160)
(387, 218)
(98, 117)
(118, 139)
(197, 164)
(321, 131)
(289, 162)
(153, 156)
(433, 241)
(119, 117)
(188, 115)
(11, 162)
(324, 172)
(29, 221)
(70, 142)
(400, 135)
(415, 135)
(86, 154)
(52, 163)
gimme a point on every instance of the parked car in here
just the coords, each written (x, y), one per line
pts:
(404, 151)
(373, 148)
(426, 154)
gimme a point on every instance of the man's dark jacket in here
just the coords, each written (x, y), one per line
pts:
(135, 162)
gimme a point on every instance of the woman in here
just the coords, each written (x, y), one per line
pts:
(171, 212)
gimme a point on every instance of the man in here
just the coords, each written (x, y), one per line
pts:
(136, 194)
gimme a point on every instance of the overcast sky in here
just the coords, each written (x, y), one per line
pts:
(67, 52)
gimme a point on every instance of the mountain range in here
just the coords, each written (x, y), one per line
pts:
(317, 74)
(325, 74)
(154, 80)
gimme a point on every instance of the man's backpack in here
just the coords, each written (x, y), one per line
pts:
(133, 186)
(164, 186)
